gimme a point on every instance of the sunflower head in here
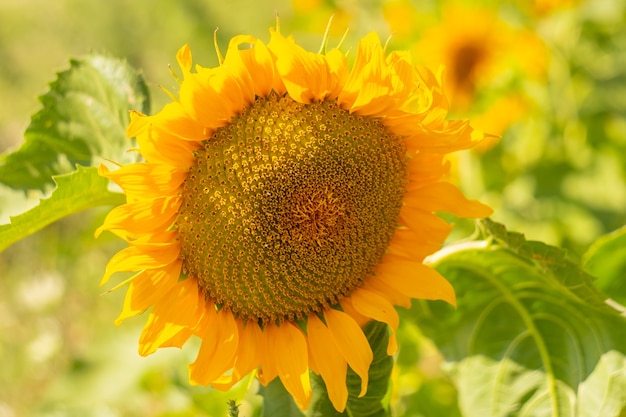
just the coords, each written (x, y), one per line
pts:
(476, 46)
(285, 199)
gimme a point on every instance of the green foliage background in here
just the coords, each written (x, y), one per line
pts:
(558, 175)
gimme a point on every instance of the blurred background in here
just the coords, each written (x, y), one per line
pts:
(546, 77)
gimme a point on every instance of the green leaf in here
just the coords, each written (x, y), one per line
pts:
(77, 191)
(526, 339)
(423, 389)
(551, 261)
(83, 119)
(606, 259)
(277, 402)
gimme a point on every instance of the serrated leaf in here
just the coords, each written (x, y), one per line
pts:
(551, 260)
(606, 259)
(278, 403)
(522, 343)
(77, 191)
(84, 117)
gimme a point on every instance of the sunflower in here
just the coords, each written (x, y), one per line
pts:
(285, 200)
(478, 48)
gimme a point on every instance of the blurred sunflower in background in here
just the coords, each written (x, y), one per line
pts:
(486, 59)
(547, 7)
(285, 200)
(477, 47)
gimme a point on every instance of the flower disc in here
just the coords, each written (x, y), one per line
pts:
(289, 207)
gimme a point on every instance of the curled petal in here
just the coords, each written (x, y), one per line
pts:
(238, 69)
(211, 97)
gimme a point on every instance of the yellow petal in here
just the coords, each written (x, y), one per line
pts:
(402, 71)
(369, 88)
(426, 168)
(426, 224)
(260, 62)
(413, 279)
(348, 308)
(183, 56)
(247, 358)
(443, 196)
(410, 244)
(307, 76)
(141, 217)
(378, 286)
(158, 146)
(220, 340)
(174, 121)
(287, 344)
(329, 362)
(448, 136)
(179, 339)
(268, 370)
(212, 96)
(148, 288)
(237, 68)
(156, 332)
(168, 137)
(426, 108)
(181, 303)
(136, 259)
(338, 71)
(146, 180)
(352, 344)
(380, 309)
